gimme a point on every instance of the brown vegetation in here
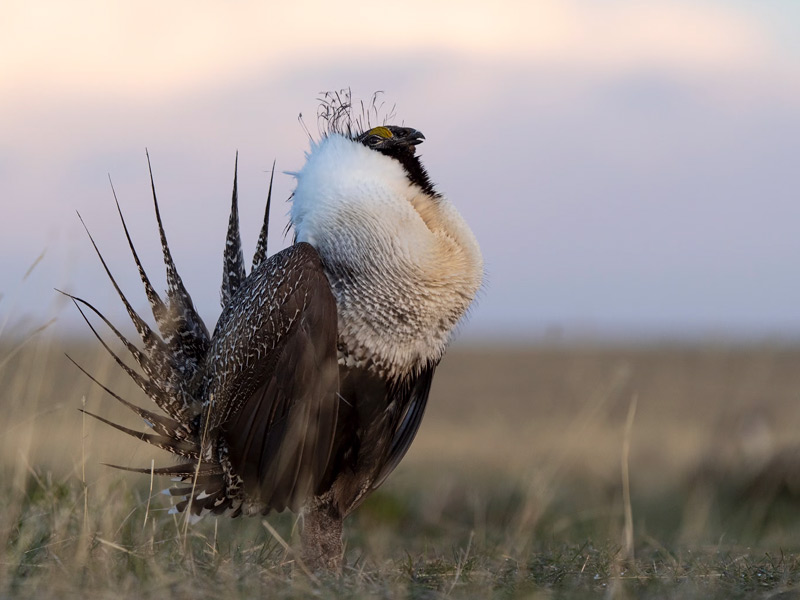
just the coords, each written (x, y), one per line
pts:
(515, 478)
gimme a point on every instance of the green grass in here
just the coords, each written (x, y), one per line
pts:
(512, 490)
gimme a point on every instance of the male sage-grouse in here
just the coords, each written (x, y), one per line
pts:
(314, 382)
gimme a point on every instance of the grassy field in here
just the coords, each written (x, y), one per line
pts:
(545, 472)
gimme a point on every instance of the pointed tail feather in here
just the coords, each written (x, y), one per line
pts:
(171, 403)
(163, 366)
(171, 360)
(150, 339)
(206, 473)
(233, 274)
(186, 334)
(261, 248)
(146, 385)
(182, 448)
(156, 303)
(160, 424)
(145, 362)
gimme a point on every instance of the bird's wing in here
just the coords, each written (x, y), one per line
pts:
(413, 395)
(275, 383)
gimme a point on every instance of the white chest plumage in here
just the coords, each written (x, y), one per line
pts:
(403, 264)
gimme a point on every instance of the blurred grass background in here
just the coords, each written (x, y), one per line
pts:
(513, 486)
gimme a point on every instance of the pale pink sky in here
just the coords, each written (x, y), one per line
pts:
(629, 168)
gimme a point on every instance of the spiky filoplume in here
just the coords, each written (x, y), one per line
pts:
(315, 380)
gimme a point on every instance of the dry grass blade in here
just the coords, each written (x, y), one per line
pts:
(115, 546)
(150, 494)
(83, 468)
(289, 550)
(13, 352)
(34, 265)
(188, 510)
(461, 562)
(626, 479)
(8, 314)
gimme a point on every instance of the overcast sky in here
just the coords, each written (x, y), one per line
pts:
(629, 168)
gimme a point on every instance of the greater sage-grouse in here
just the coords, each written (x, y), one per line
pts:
(313, 385)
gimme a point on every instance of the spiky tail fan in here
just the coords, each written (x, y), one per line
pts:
(171, 362)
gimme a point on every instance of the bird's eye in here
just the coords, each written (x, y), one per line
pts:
(376, 137)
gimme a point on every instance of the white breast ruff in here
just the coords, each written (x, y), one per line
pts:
(402, 279)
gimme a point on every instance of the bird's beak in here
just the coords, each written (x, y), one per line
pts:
(414, 138)
(411, 138)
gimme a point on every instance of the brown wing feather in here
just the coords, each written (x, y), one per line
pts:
(414, 398)
(278, 408)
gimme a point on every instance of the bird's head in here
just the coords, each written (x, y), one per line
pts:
(339, 114)
(357, 172)
(391, 140)
(399, 143)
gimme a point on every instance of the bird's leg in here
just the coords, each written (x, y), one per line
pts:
(321, 537)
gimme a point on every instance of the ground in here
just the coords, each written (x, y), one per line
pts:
(514, 487)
